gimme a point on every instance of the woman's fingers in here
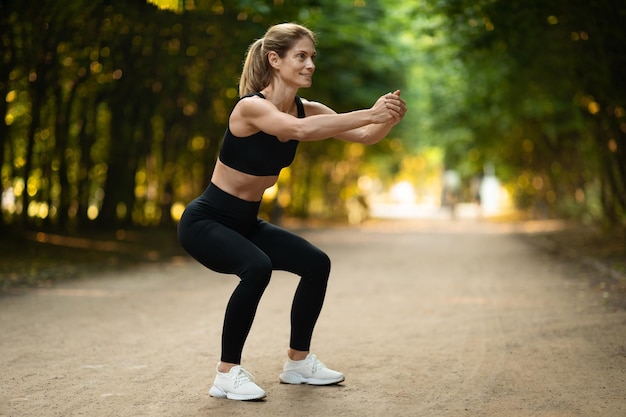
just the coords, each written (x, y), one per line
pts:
(395, 105)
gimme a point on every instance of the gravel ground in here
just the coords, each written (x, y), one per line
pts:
(425, 318)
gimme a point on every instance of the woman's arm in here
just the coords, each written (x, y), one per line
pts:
(253, 114)
(368, 134)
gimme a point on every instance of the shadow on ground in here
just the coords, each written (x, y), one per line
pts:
(38, 259)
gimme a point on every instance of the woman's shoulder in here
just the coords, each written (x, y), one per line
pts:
(251, 104)
(315, 107)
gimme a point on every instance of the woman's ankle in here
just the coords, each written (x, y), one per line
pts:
(297, 355)
(225, 367)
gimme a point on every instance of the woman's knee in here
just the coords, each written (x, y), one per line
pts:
(319, 264)
(257, 271)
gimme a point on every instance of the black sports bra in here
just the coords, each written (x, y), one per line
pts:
(259, 154)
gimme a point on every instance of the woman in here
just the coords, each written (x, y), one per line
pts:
(220, 228)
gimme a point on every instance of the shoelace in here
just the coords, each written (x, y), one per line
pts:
(242, 377)
(316, 364)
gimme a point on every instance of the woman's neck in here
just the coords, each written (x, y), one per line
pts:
(282, 98)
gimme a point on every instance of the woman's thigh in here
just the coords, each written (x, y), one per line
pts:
(288, 251)
(222, 249)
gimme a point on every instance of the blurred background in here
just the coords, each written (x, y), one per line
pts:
(113, 110)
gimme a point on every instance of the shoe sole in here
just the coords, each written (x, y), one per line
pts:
(297, 379)
(217, 392)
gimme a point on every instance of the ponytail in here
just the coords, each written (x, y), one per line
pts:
(257, 72)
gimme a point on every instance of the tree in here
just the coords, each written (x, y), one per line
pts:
(545, 98)
(115, 109)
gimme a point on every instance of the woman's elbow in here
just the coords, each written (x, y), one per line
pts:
(371, 139)
(302, 131)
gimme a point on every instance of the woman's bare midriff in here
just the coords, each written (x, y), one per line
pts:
(244, 186)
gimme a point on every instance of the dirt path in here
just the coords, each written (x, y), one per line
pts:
(435, 319)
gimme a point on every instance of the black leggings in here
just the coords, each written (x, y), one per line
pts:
(223, 233)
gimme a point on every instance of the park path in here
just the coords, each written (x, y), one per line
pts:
(425, 318)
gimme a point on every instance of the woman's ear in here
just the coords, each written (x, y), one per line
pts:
(273, 59)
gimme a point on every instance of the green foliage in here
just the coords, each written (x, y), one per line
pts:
(544, 99)
(113, 111)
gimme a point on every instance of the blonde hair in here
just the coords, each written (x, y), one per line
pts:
(257, 72)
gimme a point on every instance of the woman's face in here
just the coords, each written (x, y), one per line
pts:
(297, 66)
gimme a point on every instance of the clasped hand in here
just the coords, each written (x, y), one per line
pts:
(389, 108)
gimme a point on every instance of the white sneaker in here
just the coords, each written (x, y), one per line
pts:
(238, 384)
(309, 371)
